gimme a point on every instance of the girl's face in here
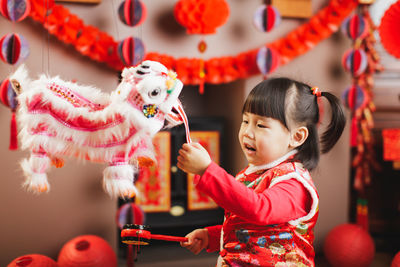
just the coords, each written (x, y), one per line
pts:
(263, 139)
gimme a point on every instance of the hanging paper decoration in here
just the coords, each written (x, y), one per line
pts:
(130, 213)
(266, 17)
(355, 27)
(68, 28)
(132, 12)
(131, 51)
(14, 48)
(362, 61)
(15, 10)
(8, 98)
(201, 16)
(388, 29)
(355, 97)
(355, 61)
(267, 60)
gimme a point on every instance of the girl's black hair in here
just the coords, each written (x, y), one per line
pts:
(286, 99)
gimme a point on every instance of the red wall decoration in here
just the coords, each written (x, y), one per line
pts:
(101, 47)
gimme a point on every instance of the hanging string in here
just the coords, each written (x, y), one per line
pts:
(115, 19)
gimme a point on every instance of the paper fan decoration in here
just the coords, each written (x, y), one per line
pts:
(388, 30)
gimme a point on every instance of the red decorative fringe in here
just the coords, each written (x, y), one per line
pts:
(13, 133)
(100, 46)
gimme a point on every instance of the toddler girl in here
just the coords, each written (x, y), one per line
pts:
(271, 206)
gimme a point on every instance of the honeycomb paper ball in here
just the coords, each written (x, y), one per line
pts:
(396, 260)
(355, 61)
(33, 260)
(87, 251)
(348, 245)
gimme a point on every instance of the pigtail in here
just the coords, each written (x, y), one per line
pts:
(336, 126)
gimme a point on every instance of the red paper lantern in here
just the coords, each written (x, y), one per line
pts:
(14, 48)
(15, 10)
(201, 16)
(388, 29)
(33, 260)
(396, 260)
(348, 245)
(266, 17)
(355, 26)
(355, 61)
(88, 251)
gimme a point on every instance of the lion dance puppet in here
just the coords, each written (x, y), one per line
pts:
(59, 118)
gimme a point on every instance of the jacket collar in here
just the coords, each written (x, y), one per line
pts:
(253, 168)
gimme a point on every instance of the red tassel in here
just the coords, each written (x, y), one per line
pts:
(13, 133)
(354, 132)
(201, 87)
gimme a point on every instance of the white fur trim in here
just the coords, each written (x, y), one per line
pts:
(252, 168)
(35, 175)
(118, 181)
(311, 190)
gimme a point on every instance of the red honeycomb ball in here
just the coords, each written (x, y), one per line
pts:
(33, 260)
(348, 245)
(88, 251)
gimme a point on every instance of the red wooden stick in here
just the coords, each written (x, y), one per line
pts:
(143, 235)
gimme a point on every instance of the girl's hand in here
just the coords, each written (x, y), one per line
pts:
(193, 158)
(198, 240)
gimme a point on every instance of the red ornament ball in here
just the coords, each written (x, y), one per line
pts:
(201, 16)
(14, 48)
(132, 12)
(348, 245)
(266, 18)
(267, 60)
(130, 213)
(88, 251)
(355, 26)
(355, 97)
(396, 260)
(7, 95)
(15, 10)
(33, 260)
(131, 51)
(355, 61)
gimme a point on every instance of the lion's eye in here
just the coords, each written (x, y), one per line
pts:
(155, 93)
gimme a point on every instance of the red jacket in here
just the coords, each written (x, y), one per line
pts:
(270, 214)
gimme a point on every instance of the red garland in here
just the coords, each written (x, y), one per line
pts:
(101, 47)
